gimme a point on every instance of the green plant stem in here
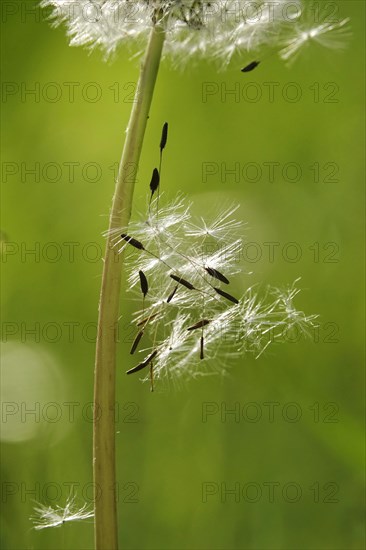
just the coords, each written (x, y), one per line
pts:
(105, 365)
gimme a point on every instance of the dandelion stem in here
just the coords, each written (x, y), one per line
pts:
(105, 364)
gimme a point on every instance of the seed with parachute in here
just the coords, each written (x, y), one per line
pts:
(155, 180)
(202, 354)
(226, 295)
(143, 283)
(183, 282)
(164, 136)
(136, 342)
(144, 364)
(217, 275)
(250, 67)
(200, 324)
(133, 242)
(172, 294)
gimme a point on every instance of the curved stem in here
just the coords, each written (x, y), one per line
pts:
(105, 365)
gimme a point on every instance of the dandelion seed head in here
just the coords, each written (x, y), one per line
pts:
(218, 29)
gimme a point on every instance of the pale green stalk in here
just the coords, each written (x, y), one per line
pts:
(105, 364)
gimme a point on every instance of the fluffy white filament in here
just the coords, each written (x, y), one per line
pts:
(216, 29)
(48, 516)
(176, 243)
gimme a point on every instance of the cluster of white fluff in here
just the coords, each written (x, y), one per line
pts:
(215, 29)
(48, 516)
(194, 277)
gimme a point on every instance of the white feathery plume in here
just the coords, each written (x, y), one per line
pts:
(217, 29)
(329, 34)
(48, 516)
(190, 321)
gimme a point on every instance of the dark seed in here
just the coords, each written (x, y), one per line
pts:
(143, 283)
(151, 377)
(155, 180)
(171, 295)
(226, 295)
(136, 342)
(200, 324)
(217, 275)
(151, 357)
(144, 364)
(132, 241)
(182, 282)
(202, 355)
(137, 368)
(250, 67)
(164, 136)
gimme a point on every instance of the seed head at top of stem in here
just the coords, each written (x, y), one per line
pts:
(219, 29)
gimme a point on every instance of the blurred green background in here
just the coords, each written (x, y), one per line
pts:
(311, 450)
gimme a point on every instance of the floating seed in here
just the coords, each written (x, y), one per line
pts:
(171, 295)
(144, 364)
(155, 180)
(250, 67)
(132, 241)
(151, 357)
(182, 282)
(137, 368)
(226, 295)
(202, 355)
(136, 342)
(146, 319)
(164, 136)
(143, 283)
(200, 324)
(217, 275)
(151, 377)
